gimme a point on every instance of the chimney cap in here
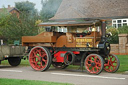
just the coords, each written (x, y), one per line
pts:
(9, 6)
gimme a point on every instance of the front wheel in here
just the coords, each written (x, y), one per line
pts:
(94, 64)
(14, 61)
(112, 63)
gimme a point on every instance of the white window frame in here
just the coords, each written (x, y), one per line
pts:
(116, 22)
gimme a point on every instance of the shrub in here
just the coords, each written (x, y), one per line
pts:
(123, 30)
(114, 39)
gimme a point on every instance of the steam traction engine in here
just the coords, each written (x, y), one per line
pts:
(91, 50)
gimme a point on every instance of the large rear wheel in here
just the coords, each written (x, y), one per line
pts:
(112, 63)
(40, 58)
(94, 64)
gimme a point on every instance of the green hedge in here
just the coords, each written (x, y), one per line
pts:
(114, 39)
(123, 30)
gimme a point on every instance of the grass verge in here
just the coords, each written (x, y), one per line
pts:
(123, 63)
(4, 81)
(23, 62)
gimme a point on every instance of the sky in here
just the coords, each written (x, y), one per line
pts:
(12, 3)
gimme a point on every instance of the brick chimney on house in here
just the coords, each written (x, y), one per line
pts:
(9, 6)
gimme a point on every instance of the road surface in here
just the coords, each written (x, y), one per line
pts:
(75, 77)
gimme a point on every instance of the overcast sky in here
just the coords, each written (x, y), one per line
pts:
(12, 3)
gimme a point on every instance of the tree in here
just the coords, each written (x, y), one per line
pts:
(26, 7)
(4, 15)
(18, 27)
(49, 8)
(13, 27)
(4, 18)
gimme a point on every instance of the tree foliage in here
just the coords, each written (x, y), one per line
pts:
(49, 8)
(26, 7)
(18, 27)
(13, 27)
(4, 16)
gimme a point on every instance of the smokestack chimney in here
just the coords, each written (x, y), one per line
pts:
(8, 6)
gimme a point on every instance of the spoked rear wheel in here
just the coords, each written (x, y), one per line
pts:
(40, 58)
(94, 64)
(112, 63)
(59, 65)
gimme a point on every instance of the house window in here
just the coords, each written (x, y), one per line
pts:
(124, 20)
(119, 25)
(62, 29)
(124, 24)
(116, 23)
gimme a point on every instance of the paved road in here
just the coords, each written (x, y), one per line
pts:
(66, 76)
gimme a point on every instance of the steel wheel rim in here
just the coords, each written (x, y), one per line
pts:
(93, 64)
(38, 59)
(112, 63)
